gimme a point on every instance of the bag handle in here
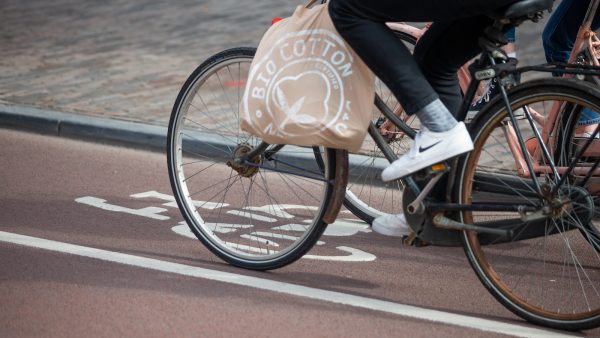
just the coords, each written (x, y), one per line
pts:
(311, 3)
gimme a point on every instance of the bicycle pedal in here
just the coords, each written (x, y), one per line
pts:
(438, 168)
(433, 170)
(413, 240)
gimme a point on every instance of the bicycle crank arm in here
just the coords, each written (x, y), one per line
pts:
(417, 206)
(444, 222)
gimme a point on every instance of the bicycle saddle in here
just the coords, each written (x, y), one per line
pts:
(522, 8)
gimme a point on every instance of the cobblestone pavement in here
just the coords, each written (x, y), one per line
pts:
(127, 59)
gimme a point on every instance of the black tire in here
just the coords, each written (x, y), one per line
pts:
(244, 216)
(545, 273)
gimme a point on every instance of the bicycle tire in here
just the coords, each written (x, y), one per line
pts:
(245, 217)
(545, 274)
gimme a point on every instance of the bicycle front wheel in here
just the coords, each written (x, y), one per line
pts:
(547, 272)
(262, 213)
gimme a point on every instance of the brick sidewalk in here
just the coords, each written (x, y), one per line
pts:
(128, 59)
(117, 58)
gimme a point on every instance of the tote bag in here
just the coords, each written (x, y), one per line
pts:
(306, 86)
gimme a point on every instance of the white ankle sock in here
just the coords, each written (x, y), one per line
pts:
(436, 117)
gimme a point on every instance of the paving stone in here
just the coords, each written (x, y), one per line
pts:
(126, 59)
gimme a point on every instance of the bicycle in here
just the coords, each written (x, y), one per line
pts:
(515, 226)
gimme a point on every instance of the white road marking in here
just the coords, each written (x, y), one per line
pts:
(279, 209)
(150, 212)
(222, 228)
(252, 216)
(292, 227)
(171, 200)
(354, 256)
(183, 230)
(260, 240)
(268, 235)
(285, 288)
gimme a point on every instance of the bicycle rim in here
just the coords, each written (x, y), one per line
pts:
(548, 273)
(260, 215)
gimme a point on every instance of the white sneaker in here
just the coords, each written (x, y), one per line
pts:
(586, 131)
(428, 149)
(586, 134)
(391, 225)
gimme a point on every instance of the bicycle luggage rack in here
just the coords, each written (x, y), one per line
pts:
(562, 68)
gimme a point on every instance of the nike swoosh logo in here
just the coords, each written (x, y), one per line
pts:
(421, 149)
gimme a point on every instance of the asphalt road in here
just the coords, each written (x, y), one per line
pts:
(90, 246)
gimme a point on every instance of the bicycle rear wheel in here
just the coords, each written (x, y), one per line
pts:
(546, 273)
(261, 214)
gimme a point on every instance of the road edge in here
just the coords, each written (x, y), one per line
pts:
(82, 126)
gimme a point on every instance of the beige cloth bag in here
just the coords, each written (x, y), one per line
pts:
(307, 86)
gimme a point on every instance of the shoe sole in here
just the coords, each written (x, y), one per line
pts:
(387, 232)
(412, 171)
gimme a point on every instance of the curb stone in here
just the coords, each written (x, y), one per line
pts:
(126, 133)
(80, 126)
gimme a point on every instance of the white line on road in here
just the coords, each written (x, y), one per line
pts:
(286, 288)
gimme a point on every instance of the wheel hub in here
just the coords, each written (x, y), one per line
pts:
(244, 167)
(574, 199)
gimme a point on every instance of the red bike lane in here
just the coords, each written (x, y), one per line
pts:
(118, 201)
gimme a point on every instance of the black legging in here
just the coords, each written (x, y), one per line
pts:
(444, 48)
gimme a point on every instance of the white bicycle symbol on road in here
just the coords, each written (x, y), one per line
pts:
(340, 228)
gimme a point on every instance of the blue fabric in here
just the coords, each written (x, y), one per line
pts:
(510, 35)
(560, 32)
(588, 117)
(559, 37)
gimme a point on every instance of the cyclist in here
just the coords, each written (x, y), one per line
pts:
(425, 83)
(561, 30)
(558, 39)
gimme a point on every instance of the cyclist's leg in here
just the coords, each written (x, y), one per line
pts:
(368, 35)
(362, 24)
(558, 39)
(561, 29)
(440, 55)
